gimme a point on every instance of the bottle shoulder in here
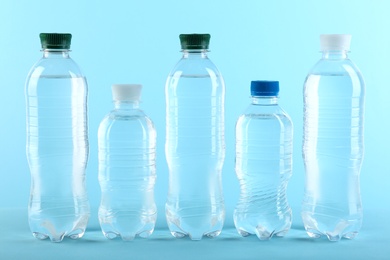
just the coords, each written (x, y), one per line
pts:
(338, 77)
(264, 109)
(61, 67)
(127, 117)
(126, 126)
(343, 67)
(189, 73)
(190, 67)
(258, 113)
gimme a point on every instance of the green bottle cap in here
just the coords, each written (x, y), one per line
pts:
(55, 40)
(194, 41)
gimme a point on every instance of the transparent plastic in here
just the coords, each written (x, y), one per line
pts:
(333, 147)
(195, 147)
(57, 147)
(127, 172)
(264, 146)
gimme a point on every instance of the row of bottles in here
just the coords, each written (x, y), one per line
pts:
(57, 150)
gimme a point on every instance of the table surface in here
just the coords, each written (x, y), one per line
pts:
(16, 242)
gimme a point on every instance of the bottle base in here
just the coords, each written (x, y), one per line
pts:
(195, 227)
(127, 236)
(76, 234)
(330, 236)
(127, 226)
(196, 236)
(262, 233)
(331, 228)
(56, 232)
(263, 227)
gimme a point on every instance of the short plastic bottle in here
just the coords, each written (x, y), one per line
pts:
(264, 143)
(57, 142)
(127, 167)
(195, 144)
(333, 142)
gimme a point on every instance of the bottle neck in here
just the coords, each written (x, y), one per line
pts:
(194, 54)
(265, 100)
(126, 105)
(335, 55)
(56, 53)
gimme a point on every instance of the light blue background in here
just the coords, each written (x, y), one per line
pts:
(137, 42)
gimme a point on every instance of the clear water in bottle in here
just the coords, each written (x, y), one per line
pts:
(195, 146)
(264, 135)
(333, 143)
(57, 145)
(127, 168)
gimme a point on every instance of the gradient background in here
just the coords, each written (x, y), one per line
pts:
(137, 42)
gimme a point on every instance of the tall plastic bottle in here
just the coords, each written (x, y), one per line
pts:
(57, 142)
(333, 142)
(127, 167)
(195, 146)
(264, 136)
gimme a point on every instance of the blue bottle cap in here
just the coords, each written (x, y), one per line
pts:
(264, 88)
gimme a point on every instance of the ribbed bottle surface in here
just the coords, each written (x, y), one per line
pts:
(127, 174)
(195, 148)
(333, 150)
(263, 168)
(57, 153)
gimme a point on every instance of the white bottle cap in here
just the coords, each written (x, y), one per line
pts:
(126, 92)
(335, 42)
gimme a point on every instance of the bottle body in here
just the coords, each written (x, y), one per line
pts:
(195, 147)
(263, 167)
(57, 147)
(127, 173)
(333, 147)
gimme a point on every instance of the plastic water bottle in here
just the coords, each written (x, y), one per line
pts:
(195, 146)
(57, 142)
(127, 167)
(264, 135)
(333, 142)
